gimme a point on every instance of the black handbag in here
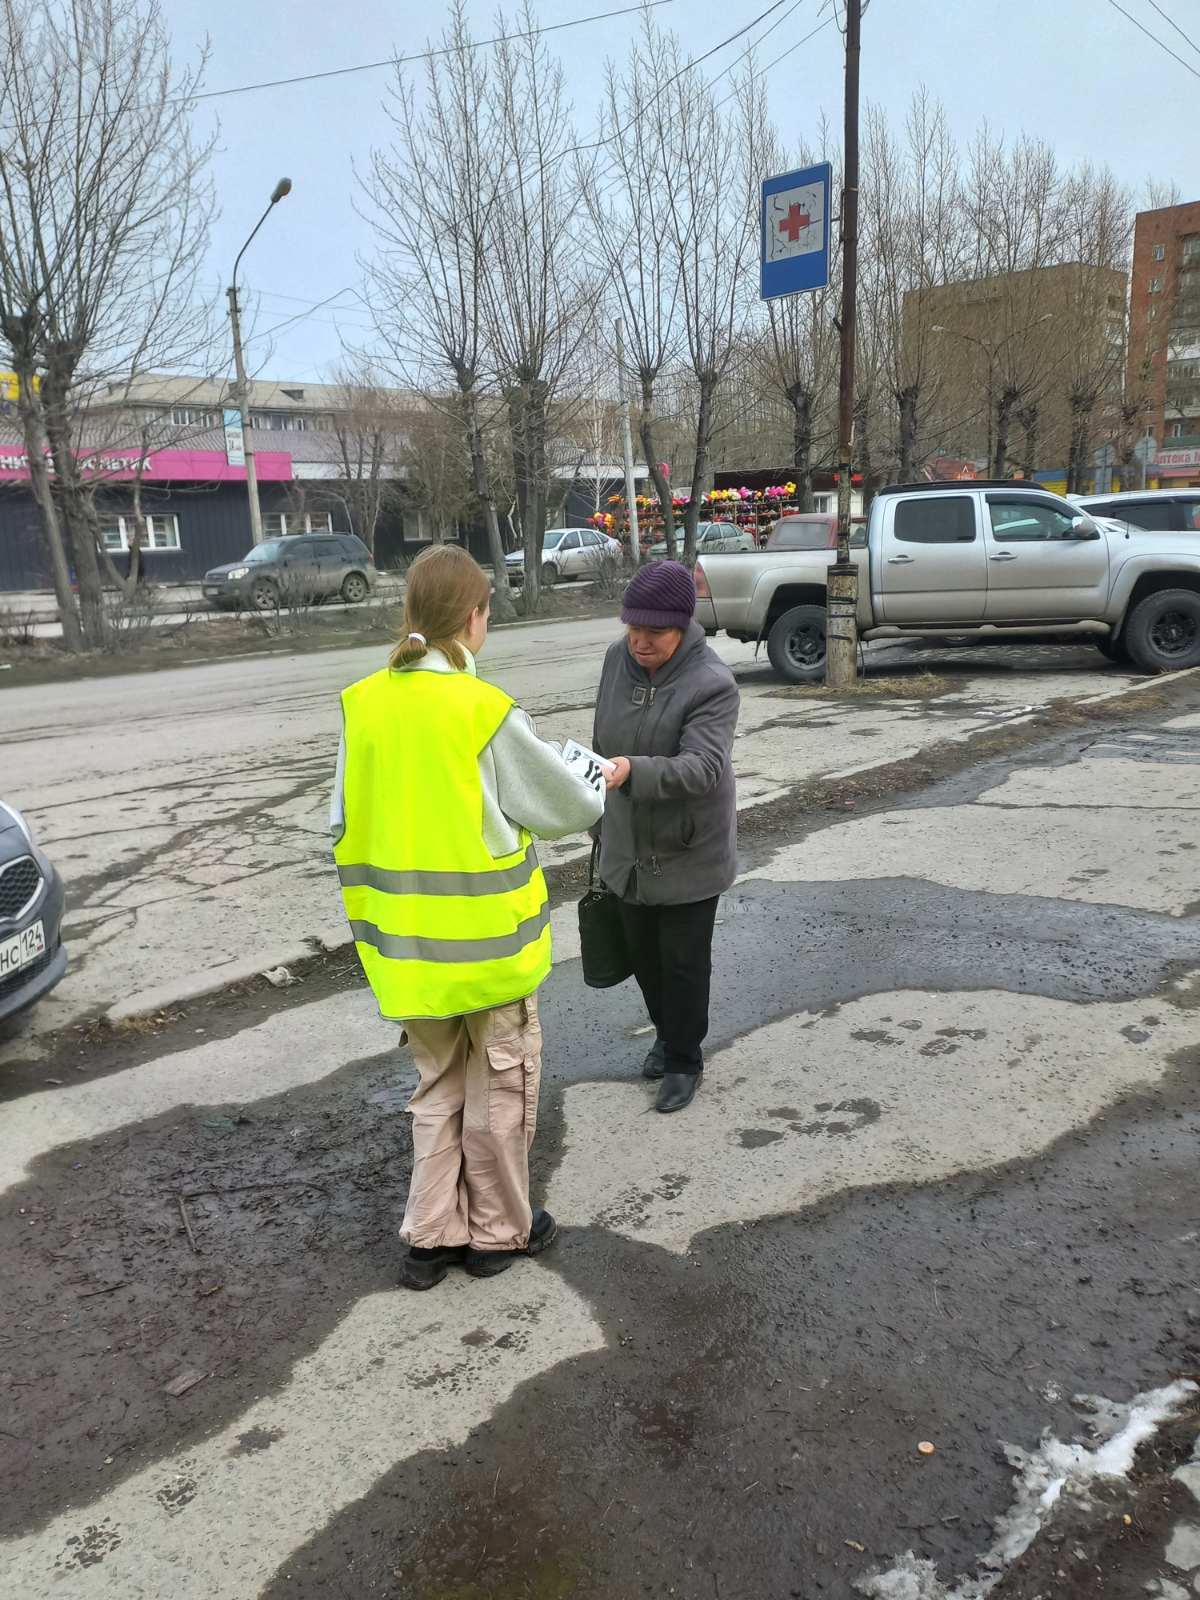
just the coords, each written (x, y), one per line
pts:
(606, 960)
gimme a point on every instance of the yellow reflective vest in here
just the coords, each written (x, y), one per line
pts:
(442, 927)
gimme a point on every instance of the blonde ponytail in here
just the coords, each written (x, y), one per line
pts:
(444, 588)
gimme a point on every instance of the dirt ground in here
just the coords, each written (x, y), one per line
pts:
(1113, 1549)
(215, 1241)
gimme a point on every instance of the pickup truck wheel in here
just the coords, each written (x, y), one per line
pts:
(796, 645)
(1163, 631)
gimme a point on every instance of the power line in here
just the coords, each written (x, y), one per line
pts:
(1141, 26)
(300, 316)
(1167, 18)
(598, 144)
(791, 50)
(424, 55)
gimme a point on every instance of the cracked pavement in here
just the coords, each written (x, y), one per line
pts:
(940, 1179)
(187, 808)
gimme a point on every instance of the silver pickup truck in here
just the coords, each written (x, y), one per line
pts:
(978, 562)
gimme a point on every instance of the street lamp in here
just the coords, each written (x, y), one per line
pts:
(241, 392)
(992, 351)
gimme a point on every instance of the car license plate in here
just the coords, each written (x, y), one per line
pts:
(210, 592)
(21, 949)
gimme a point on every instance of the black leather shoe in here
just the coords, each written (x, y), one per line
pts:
(490, 1263)
(655, 1063)
(422, 1269)
(678, 1089)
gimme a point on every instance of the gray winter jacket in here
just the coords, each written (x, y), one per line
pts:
(669, 836)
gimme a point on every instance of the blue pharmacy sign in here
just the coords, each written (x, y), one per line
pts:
(795, 231)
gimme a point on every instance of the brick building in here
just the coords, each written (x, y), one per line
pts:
(1164, 336)
(1031, 331)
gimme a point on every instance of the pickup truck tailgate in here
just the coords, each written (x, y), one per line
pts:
(706, 614)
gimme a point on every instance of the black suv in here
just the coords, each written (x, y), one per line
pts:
(297, 568)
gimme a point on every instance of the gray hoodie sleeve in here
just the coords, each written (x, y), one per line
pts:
(705, 749)
(534, 785)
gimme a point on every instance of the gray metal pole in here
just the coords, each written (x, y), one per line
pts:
(256, 528)
(281, 190)
(635, 543)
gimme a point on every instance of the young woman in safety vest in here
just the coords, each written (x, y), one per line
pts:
(441, 783)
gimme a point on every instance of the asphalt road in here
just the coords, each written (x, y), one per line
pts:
(939, 1180)
(187, 809)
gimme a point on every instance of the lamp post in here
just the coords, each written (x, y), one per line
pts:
(991, 351)
(241, 392)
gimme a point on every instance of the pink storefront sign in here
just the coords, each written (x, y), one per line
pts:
(161, 466)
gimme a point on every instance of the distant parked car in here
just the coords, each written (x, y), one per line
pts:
(568, 553)
(813, 530)
(1156, 510)
(712, 539)
(301, 567)
(32, 955)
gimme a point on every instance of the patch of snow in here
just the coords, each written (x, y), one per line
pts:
(1043, 1477)
(1183, 1551)
(909, 1579)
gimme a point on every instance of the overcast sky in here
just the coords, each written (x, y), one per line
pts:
(1074, 72)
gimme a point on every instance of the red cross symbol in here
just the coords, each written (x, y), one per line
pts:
(793, 222)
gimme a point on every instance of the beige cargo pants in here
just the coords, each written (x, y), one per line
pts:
(473, 1119)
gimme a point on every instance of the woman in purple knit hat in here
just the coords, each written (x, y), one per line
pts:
(666, 714)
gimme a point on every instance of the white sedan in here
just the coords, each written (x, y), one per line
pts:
(712, 539)
(568, 553)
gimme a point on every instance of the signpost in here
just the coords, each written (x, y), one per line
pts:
(795, 231)
(1144, 452)
(1102, 460)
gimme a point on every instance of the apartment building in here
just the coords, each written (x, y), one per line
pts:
(1164, 344)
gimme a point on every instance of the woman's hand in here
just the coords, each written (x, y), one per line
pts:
(619, 776)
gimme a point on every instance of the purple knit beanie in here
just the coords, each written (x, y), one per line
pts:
(661, 595)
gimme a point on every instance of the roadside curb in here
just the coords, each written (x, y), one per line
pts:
(200, 985)
(1138, 688)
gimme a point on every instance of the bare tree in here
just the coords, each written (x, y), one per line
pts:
(540, 292)
(438, 469)
(635, 133)
(431, 194)
(106, 208)
(915, 242)
(710, 214)
(1089, 320)
(1012, 202)
(369, 430)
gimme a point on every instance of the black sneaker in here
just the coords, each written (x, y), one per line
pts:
(422, 1269)
(490, 1263)
(655, 1063)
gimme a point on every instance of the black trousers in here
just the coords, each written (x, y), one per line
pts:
(671, 947)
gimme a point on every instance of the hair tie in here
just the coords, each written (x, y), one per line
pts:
(420, 638)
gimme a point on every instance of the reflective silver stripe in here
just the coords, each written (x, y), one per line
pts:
(498, 881)
(416, 947)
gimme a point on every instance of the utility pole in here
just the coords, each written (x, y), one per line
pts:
(635, 543)
(239, 398)
(841, 631)
(281, 189)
